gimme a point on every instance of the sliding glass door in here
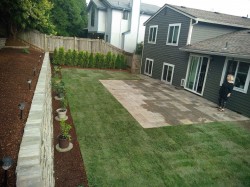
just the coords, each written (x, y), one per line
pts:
(196, 74)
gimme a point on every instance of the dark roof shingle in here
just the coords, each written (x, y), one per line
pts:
(216, 17)
(235, 44)
(124, 4)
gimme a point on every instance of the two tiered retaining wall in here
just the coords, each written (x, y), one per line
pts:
(35, 166)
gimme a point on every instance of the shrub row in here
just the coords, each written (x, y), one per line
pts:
(88, 60)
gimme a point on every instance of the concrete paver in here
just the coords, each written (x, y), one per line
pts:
(154, 104)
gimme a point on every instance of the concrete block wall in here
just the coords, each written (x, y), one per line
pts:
(2, 42)
(35, 166)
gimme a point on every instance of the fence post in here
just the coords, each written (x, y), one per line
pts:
(75, 43)
(45, 43)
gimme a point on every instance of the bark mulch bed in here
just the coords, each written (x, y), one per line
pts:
(15, 68)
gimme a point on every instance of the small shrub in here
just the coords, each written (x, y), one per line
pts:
(113, 61)
(55, 57)
(118, 62)
(65, 129)
(68, 58)
(91, 61)
(61, 56)
(86, 59)
(102, 61)
(80, 59)
(74, 58)
(139, 48)
(108, 60)
(25, 50)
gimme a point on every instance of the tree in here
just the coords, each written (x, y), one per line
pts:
(69, 17)
(18, 15)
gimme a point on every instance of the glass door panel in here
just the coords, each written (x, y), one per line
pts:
(193, 66)
(167, 73)
(196, 74)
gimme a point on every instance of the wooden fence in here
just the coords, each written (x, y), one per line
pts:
(48, 43)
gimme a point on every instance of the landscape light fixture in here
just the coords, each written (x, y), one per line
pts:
(7, 163)
(21, 107)
(34, 71)
(29, 82)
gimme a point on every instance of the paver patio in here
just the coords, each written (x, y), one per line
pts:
(154, 104)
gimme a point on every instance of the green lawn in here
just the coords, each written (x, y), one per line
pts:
(117, 151)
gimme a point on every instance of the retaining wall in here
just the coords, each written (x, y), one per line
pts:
(35, 166)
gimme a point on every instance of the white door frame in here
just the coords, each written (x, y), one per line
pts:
(205, 78)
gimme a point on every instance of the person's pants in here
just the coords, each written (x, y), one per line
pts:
(222, 102)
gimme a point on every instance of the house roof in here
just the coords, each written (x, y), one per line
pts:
(123, 4)
(236, 44)
(209, 17)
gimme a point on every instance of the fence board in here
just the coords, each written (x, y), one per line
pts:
(49, 43)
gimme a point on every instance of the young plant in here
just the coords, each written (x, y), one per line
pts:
(64, 102)
(61, 56)
(65, 129)
(26, 51)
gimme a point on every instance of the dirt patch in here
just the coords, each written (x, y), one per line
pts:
(16, 67)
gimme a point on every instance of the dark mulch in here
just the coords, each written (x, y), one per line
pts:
(69, 167)
(15, 68)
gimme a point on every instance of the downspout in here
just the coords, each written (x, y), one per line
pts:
(191, 30)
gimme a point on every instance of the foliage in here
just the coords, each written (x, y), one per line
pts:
(26, 51)
(64, 102)
(61, 55)
(91, 61)
(74, 58)
(58, 86)
(88, 60)
(55, 60)
(69, 17)
(139, 48)
(26, 14)
(68, 58)
(65, 129)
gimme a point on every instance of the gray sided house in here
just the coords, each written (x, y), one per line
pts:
(196, 49)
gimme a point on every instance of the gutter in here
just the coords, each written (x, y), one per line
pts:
(235, 55)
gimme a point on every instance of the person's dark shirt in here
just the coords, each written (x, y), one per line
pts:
(225, 89)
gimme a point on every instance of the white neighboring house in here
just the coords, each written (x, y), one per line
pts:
(119, 22)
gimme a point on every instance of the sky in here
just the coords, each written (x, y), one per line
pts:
(233, 7)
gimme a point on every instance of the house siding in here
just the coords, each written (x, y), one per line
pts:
(238, 102)
(203, 31)
(160, 52)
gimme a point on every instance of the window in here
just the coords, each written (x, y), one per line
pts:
(125, 15)
(93, 17)
(148, 67)
(167, 73)
(173, 34)
(152, 34)
(241, 72)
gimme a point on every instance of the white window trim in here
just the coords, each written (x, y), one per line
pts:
(224, 74)
(165, 63)
(153, 26)
(149, 74)
(173, 25)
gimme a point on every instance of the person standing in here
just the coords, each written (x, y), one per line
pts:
(225, 92)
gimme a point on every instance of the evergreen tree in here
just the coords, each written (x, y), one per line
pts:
(69, 17)
(18, 15)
